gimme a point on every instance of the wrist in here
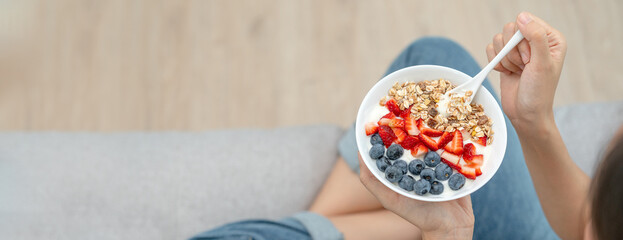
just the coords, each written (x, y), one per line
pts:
(455, 233)
(538, 136)
(535, 125)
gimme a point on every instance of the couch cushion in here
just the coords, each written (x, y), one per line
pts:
(586, 129)
(166, 185)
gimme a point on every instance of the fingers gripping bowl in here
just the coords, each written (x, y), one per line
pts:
(387, 161)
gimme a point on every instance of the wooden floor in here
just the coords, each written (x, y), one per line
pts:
(194, 65)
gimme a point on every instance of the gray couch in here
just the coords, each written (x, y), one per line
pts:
(171, 185)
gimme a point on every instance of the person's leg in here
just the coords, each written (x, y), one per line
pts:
(355, 212)
(257, 229)
(343, 193)
(438, 51)
(507, 207)
(304, 225)
(380, 224)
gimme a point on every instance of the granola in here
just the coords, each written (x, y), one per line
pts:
(423, 98)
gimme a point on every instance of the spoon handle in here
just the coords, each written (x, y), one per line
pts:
(474, 83)
(505, 50)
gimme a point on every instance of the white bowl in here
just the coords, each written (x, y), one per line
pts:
(430, 72)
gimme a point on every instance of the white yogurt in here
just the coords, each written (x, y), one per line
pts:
(442, 106)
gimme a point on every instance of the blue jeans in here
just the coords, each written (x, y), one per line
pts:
(507, 207)
(301, 226)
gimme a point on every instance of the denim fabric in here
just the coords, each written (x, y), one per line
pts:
(348, 148)
(507, 207)
(318, 226)
(301, 226)
(285, 229)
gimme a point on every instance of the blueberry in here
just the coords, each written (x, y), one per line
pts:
(383, 163)
(443, 171)
(428, 174)
(456, 181)
(402, 165)
(393, 173)
(376, 139)
(432, 159)
(416, 166)
(406, 182)
(436, 188)
(377, 151)
(421, 187)
(394, 151)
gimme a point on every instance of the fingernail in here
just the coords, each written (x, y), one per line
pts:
(524, 57)
(524, 18)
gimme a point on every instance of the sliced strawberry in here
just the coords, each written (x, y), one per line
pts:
(400, 134)
(396, 123)
(472, 169)
(411, 126)
(387, 135)
(418, 150)
(406, 112)
(410, 142)
(385, 121)
(420, 126)
(451, 159)
(469, 172)
(472, 165)
(477, 160)
(466, 135)
(445, 138)
(450, 164)
(469, 150)
(392, 106)
(389, 115)
(371, 128)
(482, 141)
(431, 132)
(456, 145)
(429, 142)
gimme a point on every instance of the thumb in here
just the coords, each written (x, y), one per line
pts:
(536, 35)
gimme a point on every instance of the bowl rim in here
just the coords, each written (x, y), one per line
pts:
(392, 76)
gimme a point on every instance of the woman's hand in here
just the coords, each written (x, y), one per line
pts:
(529, 73)
(437, 220)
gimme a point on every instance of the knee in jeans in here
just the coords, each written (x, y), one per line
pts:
(435, 44)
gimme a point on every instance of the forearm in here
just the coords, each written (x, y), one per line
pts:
(562, 187)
